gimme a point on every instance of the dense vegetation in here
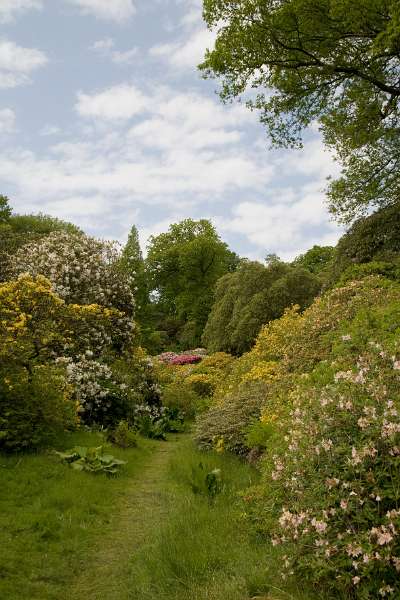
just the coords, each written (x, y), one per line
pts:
(293, 490)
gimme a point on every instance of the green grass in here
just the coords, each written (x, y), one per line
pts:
(51, 516)
(202, 549)
(152, 533)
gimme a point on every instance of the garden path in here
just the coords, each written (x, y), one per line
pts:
(105, 575)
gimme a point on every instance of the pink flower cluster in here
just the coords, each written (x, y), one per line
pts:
(186, 358)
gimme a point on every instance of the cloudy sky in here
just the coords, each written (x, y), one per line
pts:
(105, 121)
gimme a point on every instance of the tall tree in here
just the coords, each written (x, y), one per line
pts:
(334, 61)
(5, 209)
(252, 296)
(133, 266)
(183, 266)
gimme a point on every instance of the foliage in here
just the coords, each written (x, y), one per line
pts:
(258, 433)
(333, 61)
(5, 209)
(389, 270)
(223, 426)
(35, 406)
(316, 260)
(183, 266)
(330, 485)
(252, 296)
(180, 395)
(92, 460)
(82, 270)
(123, 436)
(133, 265)
(372, 238)
(208, 483)
(155, 422)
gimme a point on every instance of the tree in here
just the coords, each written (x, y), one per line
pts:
(5, 209)
(133, 265)
(334, 61)
(373, 238)
(252, 296)
(315, 260)
(183, 266)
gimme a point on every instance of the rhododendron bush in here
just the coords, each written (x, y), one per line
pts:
(83, 270)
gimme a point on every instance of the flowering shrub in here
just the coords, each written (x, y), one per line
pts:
(90, 347)
(82, 270)
(185, 359)
(331, 478)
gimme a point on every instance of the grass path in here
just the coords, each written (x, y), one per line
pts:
(105, 573)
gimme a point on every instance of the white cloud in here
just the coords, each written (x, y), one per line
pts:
(49, 130)
(118, 103)
(7, 120)
(118, 57)
(109, 10)
(288, 224)
(17, 62)
(10, 9)
(199, 160)
(188, 53)
(103, 45)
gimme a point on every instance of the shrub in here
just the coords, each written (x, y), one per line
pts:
(329, 423)
(82, 270)
(331, 479)
(390, 270)
(35, 405)
(123, 436)
(201, 383)
(185, 359)
(182, 397)
(223, 426)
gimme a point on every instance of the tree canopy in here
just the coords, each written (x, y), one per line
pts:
(183, 266)
(332, 61)
(252, 296)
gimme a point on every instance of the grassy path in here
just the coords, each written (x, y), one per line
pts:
(105, 574)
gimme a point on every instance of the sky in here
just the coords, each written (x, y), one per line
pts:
(105, 121)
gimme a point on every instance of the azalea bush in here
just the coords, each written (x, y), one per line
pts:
(331, 488)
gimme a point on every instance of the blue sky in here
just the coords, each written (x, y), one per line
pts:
(105, 121)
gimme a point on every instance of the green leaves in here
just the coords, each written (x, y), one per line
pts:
(183, 266)
(332, 61)
(92, 460)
